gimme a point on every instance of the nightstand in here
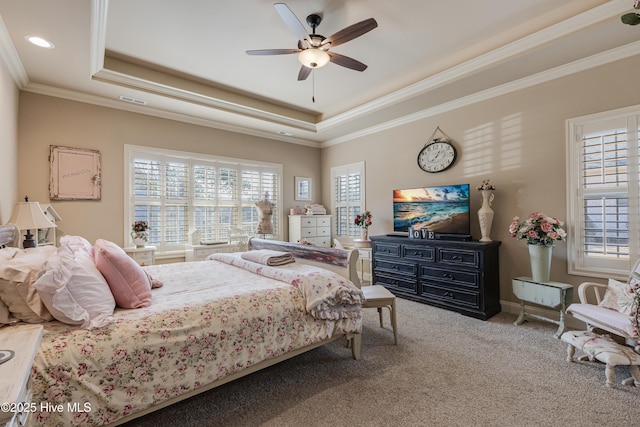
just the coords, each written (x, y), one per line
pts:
(15, 374)
(143, 256)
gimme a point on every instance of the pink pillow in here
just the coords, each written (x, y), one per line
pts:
(130, 285)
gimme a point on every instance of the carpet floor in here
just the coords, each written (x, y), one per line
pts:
(448, 370)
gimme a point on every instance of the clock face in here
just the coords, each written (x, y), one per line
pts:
(437, 156)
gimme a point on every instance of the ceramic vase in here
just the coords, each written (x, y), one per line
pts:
(485, 215)
(363, 241)
(540, 257)
(140, 238)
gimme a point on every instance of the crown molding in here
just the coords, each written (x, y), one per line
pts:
(475, 65)
(10, 57)
(622, 52)
(164, 114)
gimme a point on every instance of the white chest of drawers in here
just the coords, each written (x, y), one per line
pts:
(315, 229)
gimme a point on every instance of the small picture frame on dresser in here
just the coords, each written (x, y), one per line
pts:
(303, 188)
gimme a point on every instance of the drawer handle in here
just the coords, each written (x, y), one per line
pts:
(456, 258)
(447, 276)
(448, 294)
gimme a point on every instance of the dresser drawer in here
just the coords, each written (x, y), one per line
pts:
(459, 257)
(323, 231)
(307, 221)
(320, 241)
(419, 253)
(399, 284)
(323, 222)
(456, 277)
(455, 297)
(391, 266)
(308, 232)
(387, 249)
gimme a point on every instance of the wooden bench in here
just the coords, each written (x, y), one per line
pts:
(605, 350)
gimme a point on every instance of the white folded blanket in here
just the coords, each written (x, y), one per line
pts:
(268, 257)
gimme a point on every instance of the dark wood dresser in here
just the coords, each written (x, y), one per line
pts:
(454, 275)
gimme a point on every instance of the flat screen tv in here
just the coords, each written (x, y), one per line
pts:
(443, 209)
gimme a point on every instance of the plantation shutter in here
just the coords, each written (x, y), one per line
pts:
(348, 198)
(181, 193)
(605, 187)
(604, 170)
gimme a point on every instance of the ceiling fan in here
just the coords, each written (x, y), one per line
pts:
(313, 49)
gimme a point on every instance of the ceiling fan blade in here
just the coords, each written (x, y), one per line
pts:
(272, 51)
(347, 62)
(304, 73)
(292, 21)
(351, 32)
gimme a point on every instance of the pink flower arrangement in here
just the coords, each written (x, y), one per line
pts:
(486, 185)
(538, 229)
(363, 220)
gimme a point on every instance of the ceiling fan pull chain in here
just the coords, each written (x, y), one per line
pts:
(313, 87)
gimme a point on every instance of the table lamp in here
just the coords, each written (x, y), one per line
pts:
(29, 216)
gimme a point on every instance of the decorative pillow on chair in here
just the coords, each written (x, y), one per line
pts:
(73, 289)
(129, 283)
(619, 296)
(19, 269)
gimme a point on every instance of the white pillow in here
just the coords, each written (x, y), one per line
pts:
(618, 296)
(73, 289)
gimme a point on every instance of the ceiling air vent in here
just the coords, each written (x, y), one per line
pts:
(133, 100)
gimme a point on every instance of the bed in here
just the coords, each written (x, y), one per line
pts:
(209, 323)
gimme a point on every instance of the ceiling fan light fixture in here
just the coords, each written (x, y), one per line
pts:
(313, 58)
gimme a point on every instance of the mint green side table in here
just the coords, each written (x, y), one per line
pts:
(550, 294)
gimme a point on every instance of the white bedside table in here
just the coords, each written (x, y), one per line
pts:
(15, 374)
(143, 256)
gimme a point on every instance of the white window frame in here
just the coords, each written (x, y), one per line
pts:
(580, 262)
(353, 231)
(132, 151)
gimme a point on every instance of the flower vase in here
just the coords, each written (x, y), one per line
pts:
(363, 241)
(140, 238)
(540, 257)
(485, 215)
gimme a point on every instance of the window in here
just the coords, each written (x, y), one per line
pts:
(603, 193)
(347, 196)
(178, 192)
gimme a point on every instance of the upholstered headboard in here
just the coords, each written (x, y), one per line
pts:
(9, 235)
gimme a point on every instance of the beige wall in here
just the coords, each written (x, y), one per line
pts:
(8, 143)
(517, 141)
(45, 121)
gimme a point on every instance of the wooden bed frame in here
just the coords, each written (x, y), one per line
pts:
(343, 262)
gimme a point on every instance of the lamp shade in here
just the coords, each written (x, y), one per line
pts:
(313, 58)
(29, 216)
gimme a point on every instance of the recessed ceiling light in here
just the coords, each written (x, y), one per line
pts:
(39, 41)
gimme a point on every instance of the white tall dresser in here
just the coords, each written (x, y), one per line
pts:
(315, 229)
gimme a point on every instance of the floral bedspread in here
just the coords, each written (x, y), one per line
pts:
(207, 321)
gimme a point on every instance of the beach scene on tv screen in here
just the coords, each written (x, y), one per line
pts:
(443, 209)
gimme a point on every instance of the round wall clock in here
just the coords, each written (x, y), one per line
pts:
(437, 156)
